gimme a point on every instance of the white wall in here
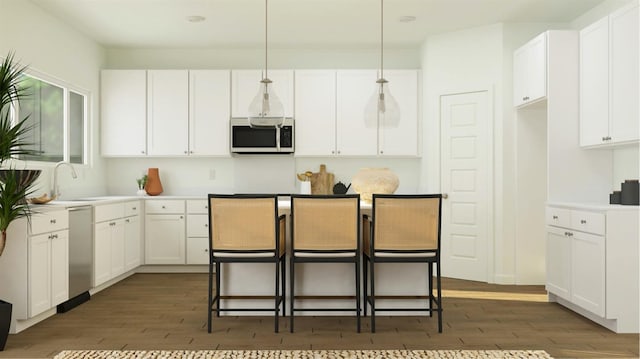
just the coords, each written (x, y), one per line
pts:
(55, 49)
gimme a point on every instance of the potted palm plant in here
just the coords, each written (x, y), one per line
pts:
(14, 184)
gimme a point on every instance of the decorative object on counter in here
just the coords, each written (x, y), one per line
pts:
(374, 180)
(340, 188)
(41, 200)
(153, 185)
(142, 182)
(322, 181)
(615, 197)
(630, 194)
(305, 182)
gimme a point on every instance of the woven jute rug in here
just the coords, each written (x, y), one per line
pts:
(301, 354)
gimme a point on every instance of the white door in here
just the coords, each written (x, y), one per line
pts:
(465, 171)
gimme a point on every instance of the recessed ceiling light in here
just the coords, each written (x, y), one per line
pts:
(195, 18)
(407, 18)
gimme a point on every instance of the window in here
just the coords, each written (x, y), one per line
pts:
(58, 118)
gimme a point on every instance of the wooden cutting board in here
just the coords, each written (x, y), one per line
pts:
(322, 182)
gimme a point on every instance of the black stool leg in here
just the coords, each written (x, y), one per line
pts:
(373, 296)
(292, 282)
(358, 292)
(210, 301)
(217, 298)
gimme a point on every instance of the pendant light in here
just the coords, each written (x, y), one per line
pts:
(382, 108)
(266, 109)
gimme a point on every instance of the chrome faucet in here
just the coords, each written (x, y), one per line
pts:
(55, 192)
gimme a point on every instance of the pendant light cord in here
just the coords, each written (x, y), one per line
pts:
(265, 37)
(381, 38)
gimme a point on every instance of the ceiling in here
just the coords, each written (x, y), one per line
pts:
(293, 23)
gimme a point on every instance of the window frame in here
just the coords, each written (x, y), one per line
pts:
(67, 88)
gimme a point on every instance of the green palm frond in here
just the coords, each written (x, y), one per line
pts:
(10, 78)
(13, 194)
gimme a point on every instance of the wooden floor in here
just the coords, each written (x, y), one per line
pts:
(168, 311)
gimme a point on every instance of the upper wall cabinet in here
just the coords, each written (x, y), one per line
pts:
(530, 71)
(123, 112)
(167, 112)
(209, 99)
(330, 107)
(609, 72)
(245, 85)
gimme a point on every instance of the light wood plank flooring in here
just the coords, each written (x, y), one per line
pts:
(168, 311)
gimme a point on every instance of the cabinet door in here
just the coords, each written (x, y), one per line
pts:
(165, 239)
(209, 114)
(588, 272)
(401, 140)
(197, 250)
(123, 108)
(59, 267)
(353, 136)
(245, 85)
(132, 245)
(537, 68)
(117, 248)
(315, 105)
(530, 71)
(558, 263)
(102, 253)
(594, 83)
(39, 274)
(168, 112)
(624, 120)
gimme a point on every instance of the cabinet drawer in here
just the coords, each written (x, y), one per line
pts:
(560, 217)
(197, 206)
(164, 206)
(49, 221)
(197, 225)
(132, 208)
(590, 222)
(197, 250)
(108, 212)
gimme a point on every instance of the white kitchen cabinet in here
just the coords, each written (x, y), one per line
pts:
(168, 112)
(197, 232)
(315, 106)
(558, 262)
(530, 71)
(117, 240)
(165, 239)
(401, 140)
(133, 242)
(209, 112)
(48, 283)
(592, 261)
(123, 112)
(609, 72)
(330, 107)
(353, 136)
(245, 85)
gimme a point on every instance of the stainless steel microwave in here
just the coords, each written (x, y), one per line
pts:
(275, 139)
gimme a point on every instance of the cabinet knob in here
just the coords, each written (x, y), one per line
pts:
(206, 225)
(206, 250)
(381, 152)
(181, 217)
(333, 152)
(555, 217)
(163, 207)
(338, 152)
(186, 152)
(127, 220)
(55, 236)
(133, 208)
(583, 221)
(190, 152)
(142, 152)
(53, 221)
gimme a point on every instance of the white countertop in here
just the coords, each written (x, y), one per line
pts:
(594, 206)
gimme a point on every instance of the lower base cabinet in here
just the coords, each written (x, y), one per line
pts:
(592, 262)
(48, 271)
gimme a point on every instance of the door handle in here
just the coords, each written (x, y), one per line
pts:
(445, 195)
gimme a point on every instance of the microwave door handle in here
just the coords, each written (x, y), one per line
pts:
(278, 138)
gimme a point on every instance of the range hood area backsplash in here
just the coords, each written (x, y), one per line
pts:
(246, 174)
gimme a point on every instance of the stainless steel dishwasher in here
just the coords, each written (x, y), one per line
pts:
(80, 256)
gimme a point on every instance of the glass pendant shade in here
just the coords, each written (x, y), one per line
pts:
(265, 105)
(382, 109)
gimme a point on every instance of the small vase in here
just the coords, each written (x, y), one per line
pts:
(374, 180)
(141, 192)
(153, 186)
